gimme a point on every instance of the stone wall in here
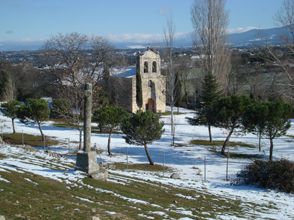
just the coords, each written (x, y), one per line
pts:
(155, 91)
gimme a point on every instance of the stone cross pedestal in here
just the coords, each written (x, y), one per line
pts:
(87, 159)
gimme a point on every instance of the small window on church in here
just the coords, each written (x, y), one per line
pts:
(154, 67)
(145, 67)
(150, 84)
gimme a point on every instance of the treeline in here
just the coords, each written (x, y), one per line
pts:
(141, 128)
(24, 81)
(241, 114)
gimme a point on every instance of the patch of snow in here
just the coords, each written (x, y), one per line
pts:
(111, 213)
(84, 199)
(186, 197)
(31, 181)
(4, 180)
(163, 214)
(145, 216)
(184, 211)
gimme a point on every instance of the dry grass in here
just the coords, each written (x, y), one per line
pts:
(27, 139)
(220, 143)
(144, 167)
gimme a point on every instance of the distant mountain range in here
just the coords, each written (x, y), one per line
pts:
(272, 36)
(253, 37)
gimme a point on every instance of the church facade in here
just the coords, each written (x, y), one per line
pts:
(147, 72)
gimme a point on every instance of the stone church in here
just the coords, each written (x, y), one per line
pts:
(153, 84)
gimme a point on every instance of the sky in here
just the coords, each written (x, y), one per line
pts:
(118, 20)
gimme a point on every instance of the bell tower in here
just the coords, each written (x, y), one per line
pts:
(153, 83)
(148, 62)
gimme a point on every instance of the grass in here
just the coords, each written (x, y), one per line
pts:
(145, 167)
(245, 156)
(97, 131)
(290, 136)
(31, 140)
(168, 113)
(20, 199)
(220, 143)
(127, 198)
(162, 198)
(94, 129)
(62, 125)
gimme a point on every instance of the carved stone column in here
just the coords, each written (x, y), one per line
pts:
(87, 117)
(87, 159)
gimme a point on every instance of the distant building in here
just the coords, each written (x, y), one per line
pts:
(153, 84)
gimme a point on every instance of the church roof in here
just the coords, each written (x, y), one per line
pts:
(148, 49)
(124, 72)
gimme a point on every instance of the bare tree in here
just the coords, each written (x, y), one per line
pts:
(210, 21)
(285, 17)
(79, 60)
(169, 37)
(67, 50)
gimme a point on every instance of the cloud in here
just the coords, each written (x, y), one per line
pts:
(240, 29)
(142, 37)
(135, 37)
(9, 32)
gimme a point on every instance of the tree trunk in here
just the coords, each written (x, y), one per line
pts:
(271, 149)
(39, 125)
(226, 141)
(13, 128)
(209, 132)
(108, 144)
(148, 156)
(259, 142)
(80, 139)
(172, 123)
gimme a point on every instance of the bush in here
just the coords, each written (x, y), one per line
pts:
(60, 109)
(277, 175)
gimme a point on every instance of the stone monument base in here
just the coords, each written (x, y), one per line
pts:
(87, 162)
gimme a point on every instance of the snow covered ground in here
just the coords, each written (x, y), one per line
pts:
(186, 159)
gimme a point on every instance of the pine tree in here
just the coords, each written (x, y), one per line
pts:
(205, 114)
(268, 119)
(142, 128)
(10, 109)
(139, 95)
(36, 110)
(229, 112)
(110, 117)
(276, 122)
(254, 119)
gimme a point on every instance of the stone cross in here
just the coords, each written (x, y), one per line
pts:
(87, 159)
(87, 117)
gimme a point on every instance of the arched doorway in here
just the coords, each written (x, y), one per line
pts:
(150, 105)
